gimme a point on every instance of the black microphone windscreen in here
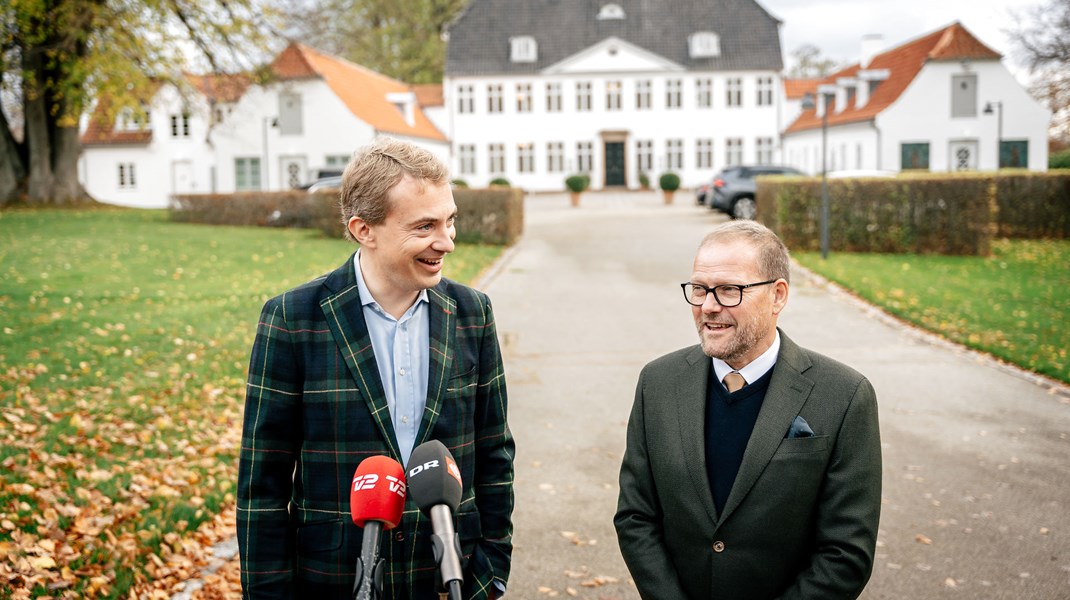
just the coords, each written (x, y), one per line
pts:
(433, 477)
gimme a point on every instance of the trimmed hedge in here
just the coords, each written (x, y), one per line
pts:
(1034, 205)
(918, 213)
(491, 216)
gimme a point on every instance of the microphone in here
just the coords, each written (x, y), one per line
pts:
(435, 487)
(376, 501)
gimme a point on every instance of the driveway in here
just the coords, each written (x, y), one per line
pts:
(976, 476)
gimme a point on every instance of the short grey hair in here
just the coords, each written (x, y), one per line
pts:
(375, 169)
(773, 257)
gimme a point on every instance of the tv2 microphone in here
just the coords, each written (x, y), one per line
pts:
(376, 502)
(435, 487)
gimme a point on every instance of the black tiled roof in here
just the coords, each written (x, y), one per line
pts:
(479, 38)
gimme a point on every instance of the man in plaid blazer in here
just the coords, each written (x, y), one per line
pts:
(318, 401)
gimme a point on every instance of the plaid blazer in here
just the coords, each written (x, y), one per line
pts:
(315, 408)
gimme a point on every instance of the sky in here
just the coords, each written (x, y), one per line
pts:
(836, 27)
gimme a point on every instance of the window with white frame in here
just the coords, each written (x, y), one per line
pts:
(553, 96)
(610, 11)
(180, 126)
(130, 120)
(644, 155)
(704, 92)
(672, 93)
(763, 147)
(734, 92)
(337, 161)
(523, 97)
(247, 174)
(523, 49)
(127, 179)
(765, 91)
(466, 100)
(555, 157)
(642, 94)
(674, 154)
(525, 157)
(733, 151)
(583, 96)
(494, 98)
(584, 155)
(704, 153)
(704, 44)
(496, 154)
(613, 95)
(291, 115)
(466, 154)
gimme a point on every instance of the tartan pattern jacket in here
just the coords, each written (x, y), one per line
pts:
(315, 408)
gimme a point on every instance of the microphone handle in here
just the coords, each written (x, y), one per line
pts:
(364, 587)
(447, 546)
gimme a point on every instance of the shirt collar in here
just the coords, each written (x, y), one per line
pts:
(755, 369)
(366, 298)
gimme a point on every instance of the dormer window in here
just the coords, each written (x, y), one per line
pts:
(704, 44)
(129, 120)
(523, 49)
(610, 11)
(405, 102)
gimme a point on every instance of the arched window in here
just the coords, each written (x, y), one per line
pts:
(610, 11)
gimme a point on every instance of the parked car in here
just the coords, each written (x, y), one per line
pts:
(327, 183)
(322, 175)
(732, 190)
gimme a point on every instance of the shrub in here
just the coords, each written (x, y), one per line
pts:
(499, 182)
(670, 182)
(578, 183)
(644, 180)
(459, 183)
(1059, 160)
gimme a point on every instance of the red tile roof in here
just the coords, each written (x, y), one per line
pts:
(363, 91)
(797, 88)
(903, 63)
(101, 128)
(220, 88)
(429, 94)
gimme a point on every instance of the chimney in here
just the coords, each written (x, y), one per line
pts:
(871, 46)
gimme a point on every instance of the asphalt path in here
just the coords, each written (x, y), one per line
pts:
(976, 469)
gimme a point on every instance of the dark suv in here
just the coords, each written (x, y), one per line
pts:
(732, 190)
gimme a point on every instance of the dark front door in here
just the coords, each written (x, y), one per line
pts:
(614, 163)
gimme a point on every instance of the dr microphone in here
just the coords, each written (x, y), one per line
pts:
(376, 501)
(435, 487)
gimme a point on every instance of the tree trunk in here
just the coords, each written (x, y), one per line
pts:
(12, 164)
(38, 141)
(66, 189)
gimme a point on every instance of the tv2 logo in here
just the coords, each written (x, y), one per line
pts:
(368, 481)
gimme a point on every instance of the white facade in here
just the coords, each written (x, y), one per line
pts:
(613, 110)
(177, 158)
(938, 123)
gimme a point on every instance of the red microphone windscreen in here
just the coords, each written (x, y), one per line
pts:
(377, 492)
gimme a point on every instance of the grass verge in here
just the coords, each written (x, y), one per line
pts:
(1013, 305)
(123, 352)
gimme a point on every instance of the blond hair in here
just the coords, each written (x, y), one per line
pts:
(375, 169)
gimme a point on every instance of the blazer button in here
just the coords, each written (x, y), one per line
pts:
(718, 546)
(399, 536)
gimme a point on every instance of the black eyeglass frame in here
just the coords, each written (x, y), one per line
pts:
(713, 290)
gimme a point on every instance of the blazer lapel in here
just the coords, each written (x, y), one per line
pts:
(788, 391)
(345, 318)
(691, 392)
(443, 336)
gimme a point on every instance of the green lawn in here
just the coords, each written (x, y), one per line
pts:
(122, 357)
(1014, 305)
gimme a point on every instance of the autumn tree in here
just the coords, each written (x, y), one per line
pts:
(809, 64)
(56, 55)
(400, 39)
(1041, 37)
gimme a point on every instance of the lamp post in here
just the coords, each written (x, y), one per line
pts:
(999, 126)
(264, 179)
(807, 104)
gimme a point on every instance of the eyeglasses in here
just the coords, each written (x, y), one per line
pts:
(727, 295)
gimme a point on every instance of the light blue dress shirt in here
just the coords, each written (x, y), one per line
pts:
(401, 349)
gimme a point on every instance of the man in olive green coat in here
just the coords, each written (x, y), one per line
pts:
(753, 465)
